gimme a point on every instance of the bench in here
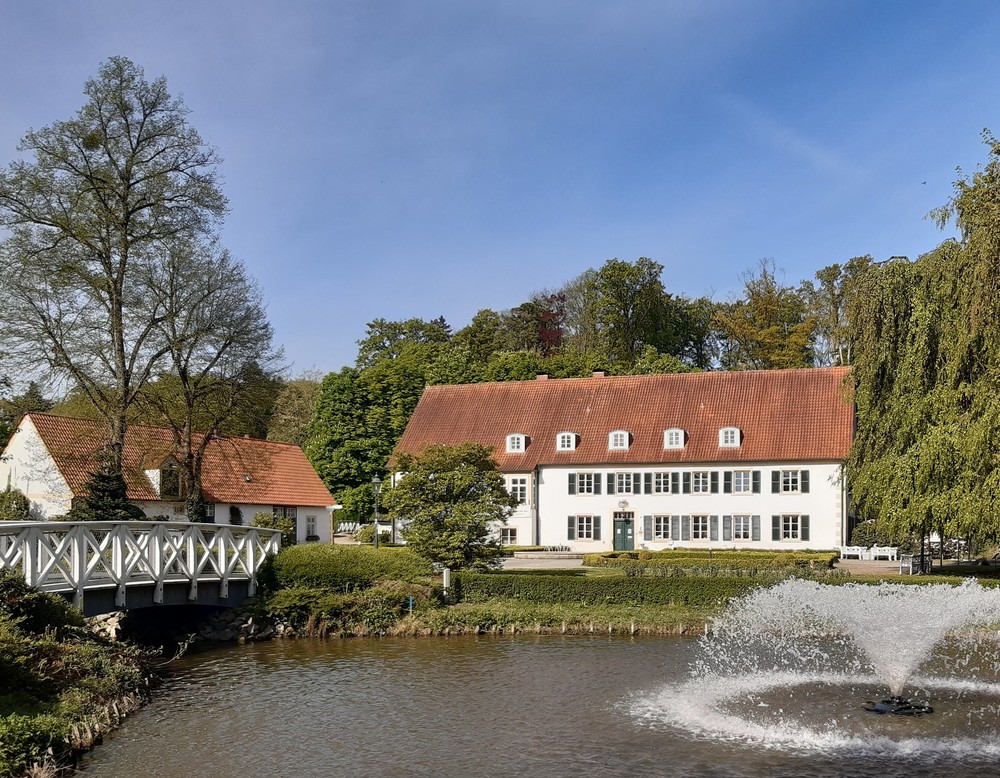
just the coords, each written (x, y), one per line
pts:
(853, 552)
(883, 552)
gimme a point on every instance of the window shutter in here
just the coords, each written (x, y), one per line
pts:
(727, 527)
(687, 483)
(675, 527)
(597, 528)
(637, 483)
(755, 528)
(775, 481)
(647, 483)
(647, 527)
(713, 481)
(611, 483)
(597, 483)
(775, 528)
(803, 528)
(713, 527)
(675, 483)
(572, 483)
(756, 481)
(727, 482)
(571, 528)
(804, 481)
(685, 528)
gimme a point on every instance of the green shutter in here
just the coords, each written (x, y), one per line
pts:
(636, 483)
(685, 528)
(571, 528)
(727, 482)
(804, 481)
(572, 483)
(775, 481)
(597, 528)
(675, 483)
(756, 481)
(675, 527)
(755, 528)
(687, 483)
(647, 527)
(803, 528)
(727, 528)
(713, 527)
(597, 483)
(647, 483)
(611, 483)
(776, 528)
(713, 481)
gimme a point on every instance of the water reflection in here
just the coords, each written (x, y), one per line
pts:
(525, 706)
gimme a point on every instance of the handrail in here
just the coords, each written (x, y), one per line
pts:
(72, 557)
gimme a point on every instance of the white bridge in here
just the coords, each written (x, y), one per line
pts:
(139, 562)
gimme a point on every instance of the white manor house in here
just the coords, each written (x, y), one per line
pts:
(750, 459)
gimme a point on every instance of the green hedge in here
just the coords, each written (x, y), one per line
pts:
(342, 568)
(720, 563)
(691, 591)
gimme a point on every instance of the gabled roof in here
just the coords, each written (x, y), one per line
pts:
(235, 470)
(784, 415)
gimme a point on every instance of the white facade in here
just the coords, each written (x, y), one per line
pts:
(658, 507)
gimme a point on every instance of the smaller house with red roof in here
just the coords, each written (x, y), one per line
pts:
(49, 458)
(746, 460)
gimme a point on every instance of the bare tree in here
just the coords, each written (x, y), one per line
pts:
(92, 219)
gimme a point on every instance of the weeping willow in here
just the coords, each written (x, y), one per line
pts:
(926, 377)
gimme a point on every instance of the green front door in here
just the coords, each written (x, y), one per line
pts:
(624, 531)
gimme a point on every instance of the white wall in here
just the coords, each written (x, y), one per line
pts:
(824, 504)
(29, 467)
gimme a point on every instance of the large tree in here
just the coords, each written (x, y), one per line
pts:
(926, 456)
(450, 502)
(93, 212)
(829, 302)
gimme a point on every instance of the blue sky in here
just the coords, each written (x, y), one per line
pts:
(400, 159)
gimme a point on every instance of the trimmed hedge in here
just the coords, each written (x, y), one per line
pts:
(687, 562)
(343, 568)
(690, 591)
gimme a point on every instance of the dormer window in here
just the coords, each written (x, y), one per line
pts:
(673, 438)
(730, 437)
(618, 440)
(170, 480)
(516, 443)
(566, 441)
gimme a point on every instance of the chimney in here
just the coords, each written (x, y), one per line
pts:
(542, 377)
(599, 374)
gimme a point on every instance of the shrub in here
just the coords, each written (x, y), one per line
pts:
(345, 568)
(721, 563)
(32, 610)
(25, 741)
(270, 521)
(367, 535)
(14, 506)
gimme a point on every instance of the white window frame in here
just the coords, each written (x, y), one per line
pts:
(508, 536)
(517, 486)
(661, 527)
(743, 475)
(618, 440)
(623, 483)
(791, 526)
(585, 527)
(701, 482)
(311, 526)
(743, 527)
(661, 482)
(791, 481)
(210, 510)
(585, 486)
(566, 441)
(730, 437)
(699, 527)
(516, 443)
(673, 438)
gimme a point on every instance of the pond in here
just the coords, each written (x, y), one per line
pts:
(489, 706)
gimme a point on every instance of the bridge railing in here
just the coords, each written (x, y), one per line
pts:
(75, 556)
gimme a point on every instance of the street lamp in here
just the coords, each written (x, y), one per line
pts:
(376, 488)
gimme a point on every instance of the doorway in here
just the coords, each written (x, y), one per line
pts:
(624, 531)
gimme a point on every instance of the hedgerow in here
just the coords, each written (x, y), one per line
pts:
(343, 568)
(684, 562)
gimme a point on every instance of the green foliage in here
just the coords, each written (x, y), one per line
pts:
(26, 740)
(689, 591)
(830, 302)
(32, 610)
(346, 568)
(449, 503)
(367, 535)
(752, 564)
(270, 521)
(14, 506)
(105, 498)
(926, 455)
(869, 533)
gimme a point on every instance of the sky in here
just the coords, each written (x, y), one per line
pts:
(425, 158)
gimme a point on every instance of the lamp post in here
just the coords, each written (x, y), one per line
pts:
(376, 489)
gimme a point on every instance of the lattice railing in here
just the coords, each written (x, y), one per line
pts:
(73, 557)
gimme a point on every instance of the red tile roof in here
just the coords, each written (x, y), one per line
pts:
(784, 415)
(279, 473)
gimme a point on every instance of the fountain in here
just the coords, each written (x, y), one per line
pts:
(802, 665)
